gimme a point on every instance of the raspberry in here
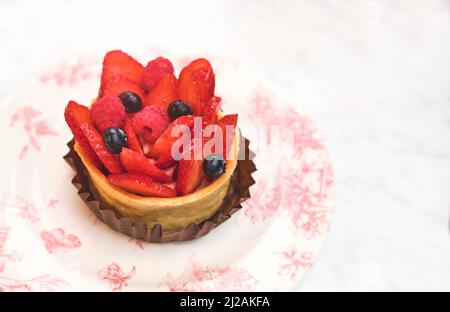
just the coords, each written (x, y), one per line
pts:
(107, 113)
(154, 71)
(149, 123)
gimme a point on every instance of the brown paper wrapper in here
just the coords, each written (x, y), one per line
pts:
(238, 192)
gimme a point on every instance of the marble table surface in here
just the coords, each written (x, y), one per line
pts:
(374, 75)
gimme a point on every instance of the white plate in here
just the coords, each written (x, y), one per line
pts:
(50, 241)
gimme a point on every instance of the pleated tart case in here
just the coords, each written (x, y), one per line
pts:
(161, 220)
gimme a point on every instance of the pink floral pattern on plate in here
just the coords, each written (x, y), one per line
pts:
(200, 277)
(33, 125)
(115, 277)
(71, 74)
(39, 283)
(293, 261)
(58, 239)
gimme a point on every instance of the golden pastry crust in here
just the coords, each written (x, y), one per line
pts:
(171, 213)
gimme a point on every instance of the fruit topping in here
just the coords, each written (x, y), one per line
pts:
(179, 108)
(164, 143)
(131, 101)
(119, 85)
(154, 71)
(115, 139)
(214, 166)
(137, 162)
(133, 141)
(95, 140)
(228, 125)
(108, 113)
(196, 84)
(117, 63)
(189, 172)
(164, 93)
(149, 124)
(211, 110)
(75, 115)
(141, 184)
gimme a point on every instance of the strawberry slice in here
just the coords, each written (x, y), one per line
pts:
(164, 143)
(76, 114)
(228, 126)
(118, 85)
(141, 184)
(190, 171)
(95, 140)
(196, 84)
(211, 109)
(165, 160)
(171, 172)
(117, 63)
(133, 141)
(137, 162)
(164, 93)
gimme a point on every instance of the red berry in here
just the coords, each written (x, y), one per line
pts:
(118, 85)
(75, 115)
(117, 63)
(154, 71)
(137, 162)
(165, 141)
(133, 140)
(211, 109)
(190, 171)
(164, 93)
(141, 184)
(149, 124)
(96, 141)
(108, 113)
(196, 84)
(165, 160)
(228, 126)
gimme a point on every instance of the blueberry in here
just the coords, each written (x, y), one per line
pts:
(179, 108)
(214, 166)
(115, 139)
(131, 101)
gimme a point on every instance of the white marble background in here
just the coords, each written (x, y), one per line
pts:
(374, 75)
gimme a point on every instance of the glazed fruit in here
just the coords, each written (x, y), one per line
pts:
(228, 125)
(164, 143)
(108, 113)
(189, 172)
(131, 101)
(149, 124)
(115, 139)
(133, 141)
(136, 162)
(214, 166)
(75, 115)
(142, 184)
(95, 140)
(179, 108)
(211, 110)
(164, 93)
(154, 71)
(196, 84)
(119, 64)
(118, 85)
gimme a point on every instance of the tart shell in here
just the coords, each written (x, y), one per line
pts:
(161, 220)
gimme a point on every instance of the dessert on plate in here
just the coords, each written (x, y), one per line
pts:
(156, 149)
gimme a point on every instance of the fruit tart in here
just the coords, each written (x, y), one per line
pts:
(156, 149)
